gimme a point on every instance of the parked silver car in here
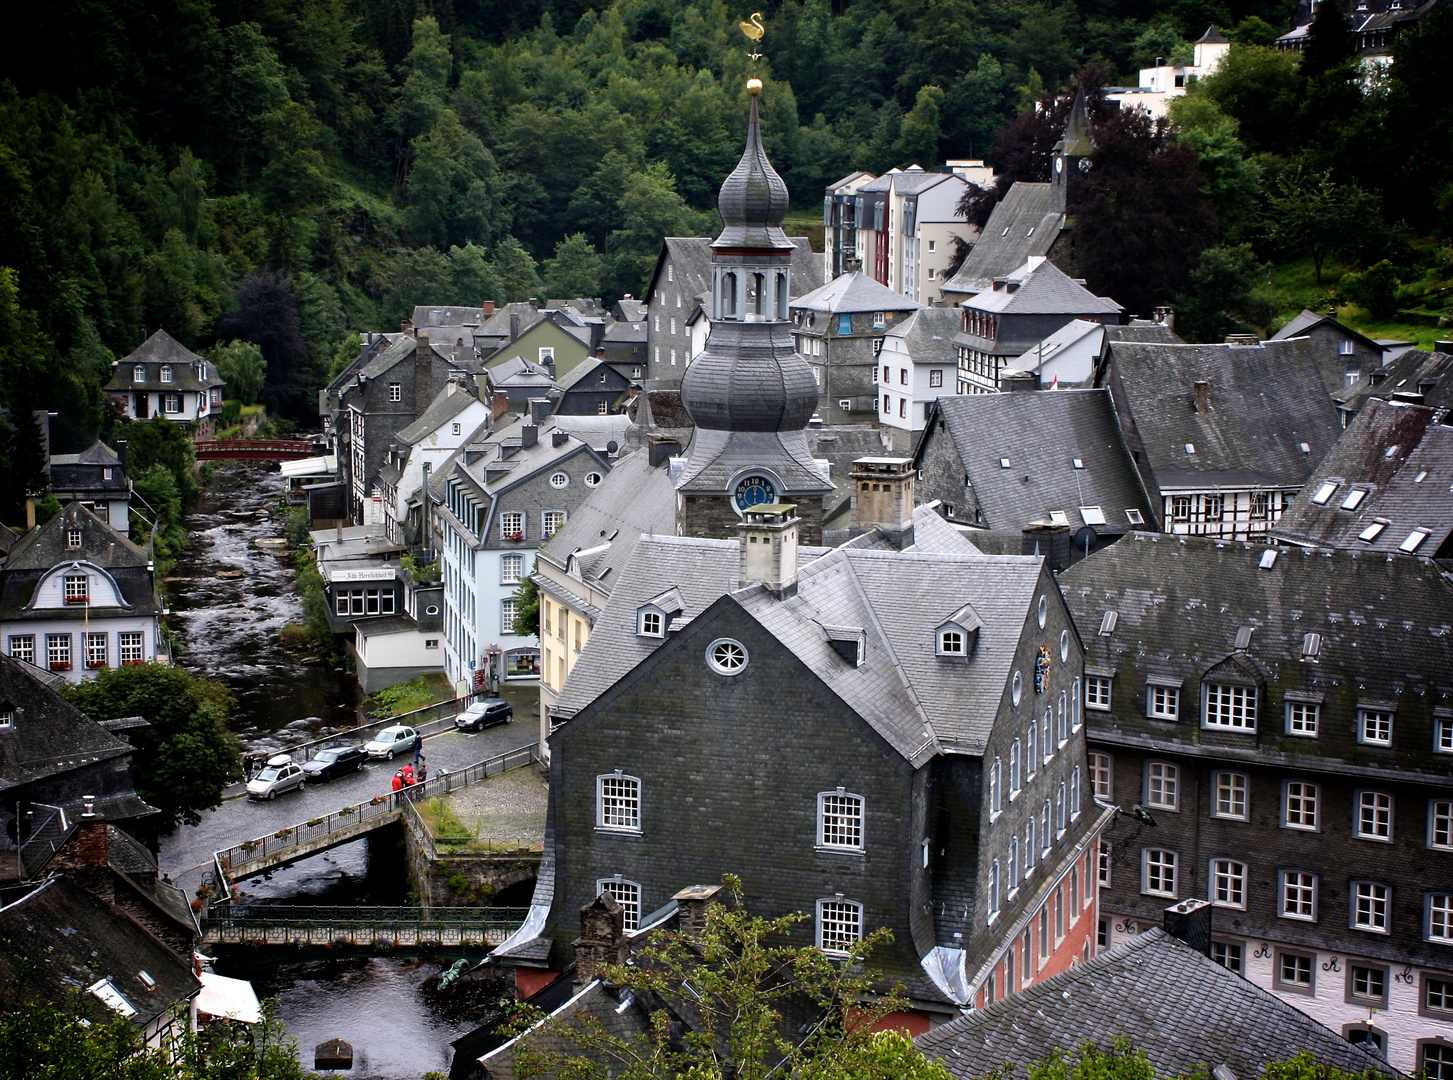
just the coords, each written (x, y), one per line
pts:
(393, 740)
(274, 780)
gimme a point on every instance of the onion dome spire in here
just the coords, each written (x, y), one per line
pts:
(753, 199)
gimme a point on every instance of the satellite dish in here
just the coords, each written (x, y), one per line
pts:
(612, 446)
(1085, 539)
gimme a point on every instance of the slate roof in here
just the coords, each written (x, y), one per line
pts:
(1041, 289)
(691, 262)
(98, 453)
(427, 317)
(1266, 401)
(50, 734)
(632, 311)
(914, 180)
(1188, 1013)
(833, 187)
(928, 335)
(854, 292)
(715, 457)
(517, 373)
(1424, 377)
(392, 354)
(1300, 324)
(1401, 456)
(603, 531)
(162, 348)
(449, 403)
(1143, 332)
(1041, 434)
(68, 940)
(1025, 222)
(1386, 627)
(40, 550)
(1212, 36)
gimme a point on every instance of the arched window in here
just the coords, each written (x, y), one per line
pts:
(1075, 793)
(618, 802)
(729, 296)
(994, 891)
(1048, 741)
(1013, 865)
(996, 797)
(625, 893)
(1030, 848)
(1032, 757)
(1064, 720)
(1014, 770)
(839, 924)
(782, 294)
(1059, 811)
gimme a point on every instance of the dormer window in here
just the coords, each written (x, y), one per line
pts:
(958, 635)
(951, 642)
(166, 373)
(138, 373)
(650, 623)
(202, 370)
(74, 538)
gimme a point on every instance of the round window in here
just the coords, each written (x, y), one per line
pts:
(1016, 689)
(1043, 611)
(432, 609)
(592, 479)
(1064, 645)
(726, 656)
(560, 480)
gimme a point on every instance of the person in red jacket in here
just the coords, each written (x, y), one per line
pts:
(408, 774)
(399, 780)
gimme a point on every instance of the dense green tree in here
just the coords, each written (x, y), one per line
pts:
(451, 186)
(1329, 41)
(187, 754)
(159, 441)
(156, 515)
(241, 366)
(266, 314)
(1221, 298)
(1257, 87)
(576, 269)
(919, 136)
(1313, 215)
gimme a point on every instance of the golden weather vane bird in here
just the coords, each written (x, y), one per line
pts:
(754, 30)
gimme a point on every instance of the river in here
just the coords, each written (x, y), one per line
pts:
(384, 1006)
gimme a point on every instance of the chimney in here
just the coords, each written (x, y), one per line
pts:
(488, 307)
(1012, 381)
(768, 538)
(559, 438)
(539, 409)
(423, 375)
(121, 452)
(514, 325)
(661, 451)
(29, 512)
(499, 404)
(602, 938)
(88, 861)
(1444, 347)
(1190, 920)
(691, 905)
(1203, 396)
(600, 352)
(883, 496)
(1166, 316)
(1048, 540)
(529, 436)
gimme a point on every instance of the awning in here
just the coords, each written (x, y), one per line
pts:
(313, 466)
(229, 999)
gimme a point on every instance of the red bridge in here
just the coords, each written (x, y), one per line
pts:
(257, 449)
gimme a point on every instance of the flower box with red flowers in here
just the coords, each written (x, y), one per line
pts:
(94, 664)
(516, 537)
(128, 663)
(78, 599)
(60, 665)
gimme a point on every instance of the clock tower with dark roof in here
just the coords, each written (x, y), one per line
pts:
(749, 393)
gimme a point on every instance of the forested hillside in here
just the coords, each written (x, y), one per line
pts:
(287, 172)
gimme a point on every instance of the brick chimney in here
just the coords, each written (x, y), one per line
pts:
(86, 857)
(1190, 920)
(423, 375)
(602, 938)
(691, 905)
(499, 404)
(488, 307)
(883, 496)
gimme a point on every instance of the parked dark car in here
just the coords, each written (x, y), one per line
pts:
(335, 761)
(486, 713)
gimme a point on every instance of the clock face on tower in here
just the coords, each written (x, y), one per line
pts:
(753, 490)
(1059, 164)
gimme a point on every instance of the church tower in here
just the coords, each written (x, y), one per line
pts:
(748, 392)
(1070, 158)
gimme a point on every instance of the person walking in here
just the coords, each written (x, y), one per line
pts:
(422, 772)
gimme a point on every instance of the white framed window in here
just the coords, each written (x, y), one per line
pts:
(1440, 824)
(508, 609)
(1303, 718)
(726, 656)
(994, 891)
(1163, 702)
(172, 403)
(593, 479)
(1374, 726)
(1158, 872)
(1059, 811)
(1031, 849)
(129, 646)
(1297, 897)
(1371, 904)
(511, 568)
(1045, 837)
(1077, 721)
(456, 428)
(77, 588)
(1374, 816)
(1162, 785)
(1097, 692)
(1102, 863)
(1016, 769)
(1439, 918)
(840, 820)
(22, 647)
(1228, 883)
(166, 373)
(1046, 735)
(96, 650)
(1101, 776)
(1232, 796)
(547, 353)
(1031, 746)
(650, 623)
(1230, 706)
(74, 538)
(880, 320)
(559, 480)
(1064, 724)
(138, 373)
(58, 651)
(839, 925)
(996, 790)
(951, 641)
(1443, 734)
(625, 893)
(512, 525)
(396, 391)
(1016, 689)
(602, 408)
(1075, 793)
(618, 802)
(550, 522)
(1299, 805)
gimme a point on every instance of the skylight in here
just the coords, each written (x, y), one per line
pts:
(1420, 477)
(1372, 532)
(1268, 558)
(1325, 492)
(1059, 517)
(1107, 623)
(1414, 541)
(1390, 451)
(1304, 447)
(1354, 498)
(112, 997)
(1092, 515)
(1311, 646)
(1003, 463)
(1078, 463)
(1134, 516)
(1190, 448)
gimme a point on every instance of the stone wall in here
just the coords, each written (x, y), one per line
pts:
(465, 880)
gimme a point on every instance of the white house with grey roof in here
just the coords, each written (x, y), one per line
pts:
(162, 377)
(1070, 357)
(455, 416)
(917, 365)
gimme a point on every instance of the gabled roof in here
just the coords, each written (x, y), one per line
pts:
(1039, 287)
(427, 317)
(1142, 332)
(854, 292)
(1068, 334)
(914, 180)
(1304, 322)
(1423, 377)
(47, 546)
(928, 335)
(50, 734)
(1042, 434)
(1384, 626)
(833, 187)
(1025, 222)
(62, 941)
(1187, 1013)
(1266, 401)
(1401, 458)
(449, 403)
(98, 453)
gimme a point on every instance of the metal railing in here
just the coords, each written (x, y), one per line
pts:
(348, 818)
(491, 918)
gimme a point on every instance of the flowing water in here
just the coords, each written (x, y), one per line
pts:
(230, 600)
